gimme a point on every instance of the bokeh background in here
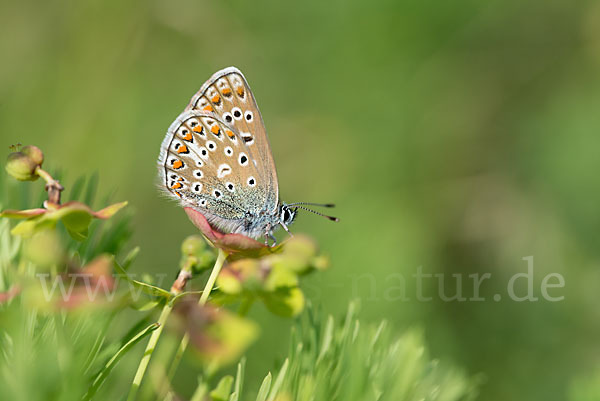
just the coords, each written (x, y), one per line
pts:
(456, 136)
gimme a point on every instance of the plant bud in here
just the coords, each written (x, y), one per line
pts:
(21, 166)
(193, 245)
(34, 154)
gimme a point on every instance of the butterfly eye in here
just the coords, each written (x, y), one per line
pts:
(251, 182)
(286, 214)
(237, 113)
(243, 159)
(249, 116)
(227, 117)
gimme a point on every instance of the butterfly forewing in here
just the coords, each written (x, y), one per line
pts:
(206, 163)
(228, 96)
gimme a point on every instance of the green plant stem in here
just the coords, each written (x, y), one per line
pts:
(203, 299)
(103, 374)
(44, 174)
(184, 274)
(139, 375)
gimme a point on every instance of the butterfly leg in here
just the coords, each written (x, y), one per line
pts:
(269, 234)
(286, 229)
(273, 238)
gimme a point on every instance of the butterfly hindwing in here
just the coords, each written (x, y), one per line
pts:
(228, 96)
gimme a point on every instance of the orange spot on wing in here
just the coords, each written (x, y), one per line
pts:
(215, 129)
(188, 136)
(177, 193)
(177, 164)
(177, 185)
(230, 134)
(182, 149)
(208, 108)
(216, 99)
(198, 129)
(240, 91)
(226, 92)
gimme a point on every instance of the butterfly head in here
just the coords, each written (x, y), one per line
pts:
(287, 215)
(287, 212)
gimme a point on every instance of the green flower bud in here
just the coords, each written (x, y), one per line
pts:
(193, 245)
(44, 249)
(34, 154)
(21, 166)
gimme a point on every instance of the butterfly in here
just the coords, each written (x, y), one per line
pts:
(216, 159)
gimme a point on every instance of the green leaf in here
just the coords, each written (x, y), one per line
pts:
(103, 374)
(110, 211)
(198, 395)
(78, 235)
(264, 388)
(179, 297)
(281, 277)
(279, 381)
(90, 190)
(22, 214)
(147, 306)
(228, 283)
(130, 258)
(223, 389)
(76, 220)
(286, 302)
(146, 288)
(27, 228)
(239, 381)
(76, 217)
(327, 338)
(77, 187)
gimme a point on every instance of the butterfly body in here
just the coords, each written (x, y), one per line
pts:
(216, 159)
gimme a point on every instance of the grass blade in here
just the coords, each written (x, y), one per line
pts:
(103, 374)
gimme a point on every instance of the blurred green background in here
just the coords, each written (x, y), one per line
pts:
(457, 136)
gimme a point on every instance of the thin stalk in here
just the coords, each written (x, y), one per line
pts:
(203, 299)
(44, 174)
(178, 286)
(139, 375)
(103, 374)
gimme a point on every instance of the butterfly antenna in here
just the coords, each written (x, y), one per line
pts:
(317, 213)
(311, 204)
